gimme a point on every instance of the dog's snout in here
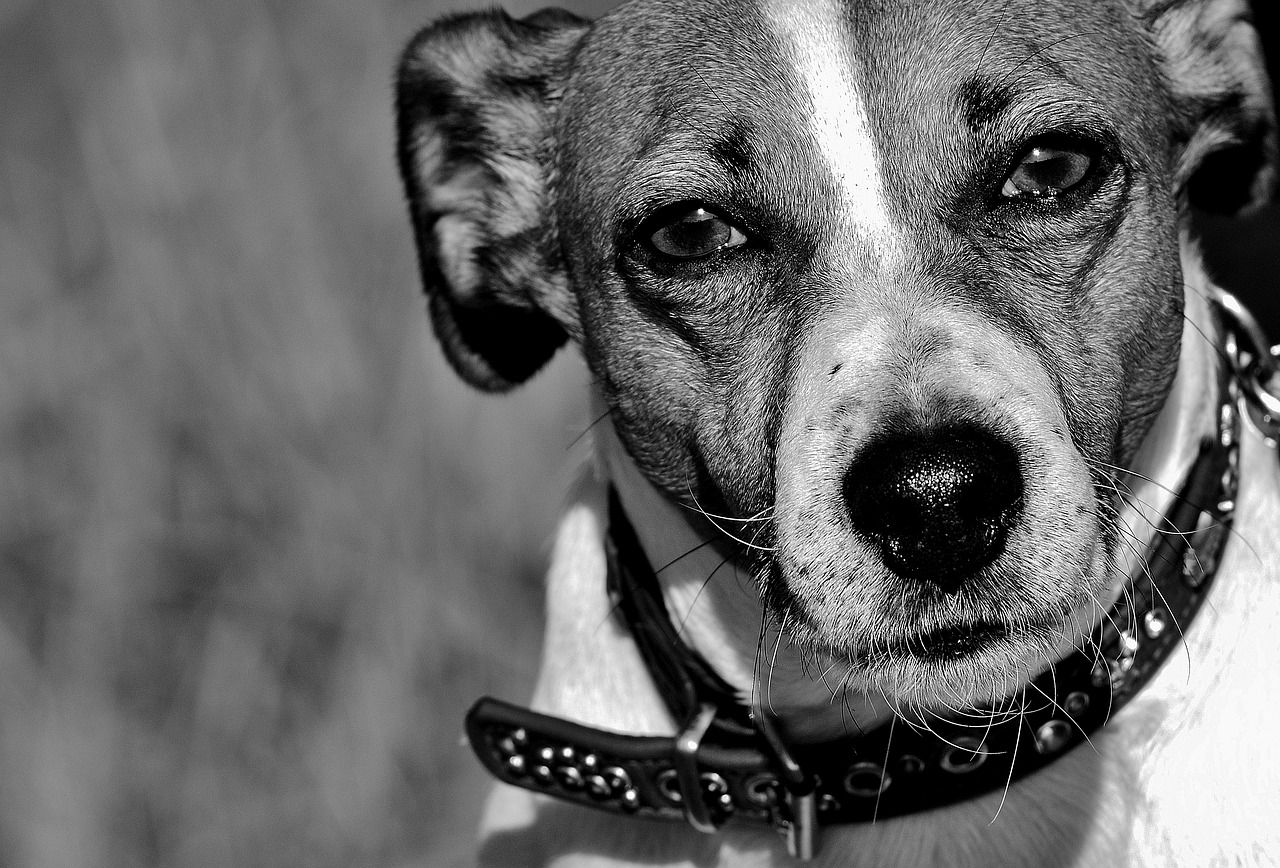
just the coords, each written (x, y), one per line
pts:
(940, 505)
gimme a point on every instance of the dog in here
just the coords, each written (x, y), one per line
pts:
(904, 356)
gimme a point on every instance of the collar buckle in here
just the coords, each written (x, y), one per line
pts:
(685, 760)
(795, 815)
(799, 823)
(800, 828)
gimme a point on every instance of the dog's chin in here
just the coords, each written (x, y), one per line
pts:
(955, 666)
(966, 651)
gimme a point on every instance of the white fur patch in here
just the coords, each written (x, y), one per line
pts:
(815, 38)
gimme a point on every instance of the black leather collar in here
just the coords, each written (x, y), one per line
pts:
(728, 763)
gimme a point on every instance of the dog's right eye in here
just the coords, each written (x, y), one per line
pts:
(694, 232)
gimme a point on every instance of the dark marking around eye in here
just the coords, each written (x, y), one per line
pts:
(982, 101)
(732, 149)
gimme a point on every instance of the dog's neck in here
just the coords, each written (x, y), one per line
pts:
(716, 607)
(1189, 414)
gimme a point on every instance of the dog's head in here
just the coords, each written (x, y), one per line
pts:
(899, 277)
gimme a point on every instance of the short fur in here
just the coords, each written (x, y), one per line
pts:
(883, 290)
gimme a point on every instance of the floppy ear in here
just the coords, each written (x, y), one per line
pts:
(475, 99)
(1211, 59)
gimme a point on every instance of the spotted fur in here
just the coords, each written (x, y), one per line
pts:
(1211, 61)
(475, 97)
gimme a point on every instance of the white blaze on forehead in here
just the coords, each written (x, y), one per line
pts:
(816, 39)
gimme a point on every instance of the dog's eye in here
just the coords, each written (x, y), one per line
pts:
(1046, 170)
(694, 233)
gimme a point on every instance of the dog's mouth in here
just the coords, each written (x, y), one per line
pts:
(951, 642)
(967, 661)
(951, 653)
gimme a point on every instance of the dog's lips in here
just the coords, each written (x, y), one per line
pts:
(950, 642)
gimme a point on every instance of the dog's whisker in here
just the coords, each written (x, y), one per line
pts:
(985, 715)
(1127, 492)
(773, 662)
(1173, 618)
(1036, 54)
(587, 430)
(610, 614)
(765, 526)
(1004, 16)
(755, 669)
(823, 678)
(702, 587)
(884, 768)
(1169, 529)
(920, 723)
(1106, 612)
(697, 507)
(765, 514)
(678, 558)
(1063, 712)
(1130, 542)
(1208, 339)
(1013, 760)
(847, 714)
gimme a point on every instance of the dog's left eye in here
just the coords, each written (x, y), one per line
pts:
(694, 233)
(1046, 170)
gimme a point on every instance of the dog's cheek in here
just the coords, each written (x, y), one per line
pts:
(754, 378)
(1150, 370)
(693, 368)
(1140, 321)
(1106, 317)
(652, 386)
(688, 402)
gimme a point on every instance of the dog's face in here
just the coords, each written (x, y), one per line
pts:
(896, 284)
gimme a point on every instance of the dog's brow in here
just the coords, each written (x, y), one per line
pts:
(983, 101)
(731, 147)
(727, 141)
(669, 174)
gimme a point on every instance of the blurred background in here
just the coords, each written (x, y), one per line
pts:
(259, 547)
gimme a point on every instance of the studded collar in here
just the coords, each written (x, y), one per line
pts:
(729, 764)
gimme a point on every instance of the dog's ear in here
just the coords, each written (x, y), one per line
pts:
(1211, 59)
(475, 99)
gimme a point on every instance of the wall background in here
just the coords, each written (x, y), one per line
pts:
(259, 548)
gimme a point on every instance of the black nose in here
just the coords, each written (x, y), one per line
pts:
(938, 505)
